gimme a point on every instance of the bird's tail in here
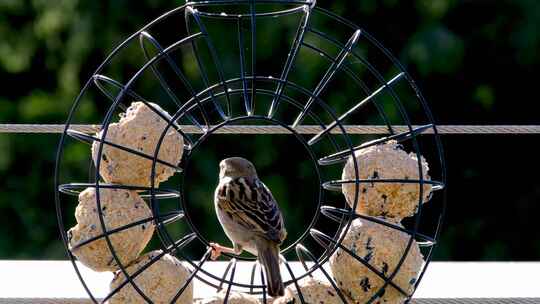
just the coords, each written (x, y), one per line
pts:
(268, 253)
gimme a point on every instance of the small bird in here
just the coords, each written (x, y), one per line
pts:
(250, 217)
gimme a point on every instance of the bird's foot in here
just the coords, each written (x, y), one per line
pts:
(217, 250)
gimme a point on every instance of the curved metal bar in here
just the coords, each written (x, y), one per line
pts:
(97, 82)
(300, 256)
(98, 78)
(343, 155)
(335, 185)
(167, 218)
(163, 82)
(252, 278)
(75, 189)
(429, 115)
(328, 76)
(234, 2)
(294, 86)
(329, 211)
(199, 277)
(373, 70)
(333, 212)
(414, 141)
(243, 65)
(204, 77)
(263, 283)
(287, 98)
(147, 36)
(192, 275)
(219, 279)
(291, 58)
(357, 80)
(416, 147)
(106, 124)
(357, 106)
(438, 144)
(293, 279)
(231, 261)
(151, 62)
(225, 16)
(277, 13)
(215, 59)
(301, 249)
(319, 237)
(427, 258)
(228, 292)
(178, 245)
(89, 139)
(77, 271)
(253, 23)
(62, 141)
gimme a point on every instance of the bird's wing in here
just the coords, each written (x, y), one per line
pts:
(249, 203)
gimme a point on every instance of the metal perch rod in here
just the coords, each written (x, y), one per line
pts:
(302, 129)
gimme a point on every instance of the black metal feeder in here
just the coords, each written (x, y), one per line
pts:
(222, 96)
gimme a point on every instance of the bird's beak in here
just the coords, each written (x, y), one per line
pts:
(221, 169)
(223, 162)
(221, 166)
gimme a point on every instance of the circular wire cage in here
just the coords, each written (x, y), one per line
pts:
(213, 65)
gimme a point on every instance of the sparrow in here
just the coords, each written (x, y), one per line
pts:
(250, 217)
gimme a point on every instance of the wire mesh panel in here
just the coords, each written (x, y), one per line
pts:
(212, 65)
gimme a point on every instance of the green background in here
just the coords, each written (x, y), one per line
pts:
(475, 61)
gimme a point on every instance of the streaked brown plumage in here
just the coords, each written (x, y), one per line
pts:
(250, 218)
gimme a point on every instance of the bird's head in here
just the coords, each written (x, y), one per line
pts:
(235, 167)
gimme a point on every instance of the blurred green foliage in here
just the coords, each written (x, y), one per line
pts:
(475, 60)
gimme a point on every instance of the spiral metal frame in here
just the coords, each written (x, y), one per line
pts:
(225, 88)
